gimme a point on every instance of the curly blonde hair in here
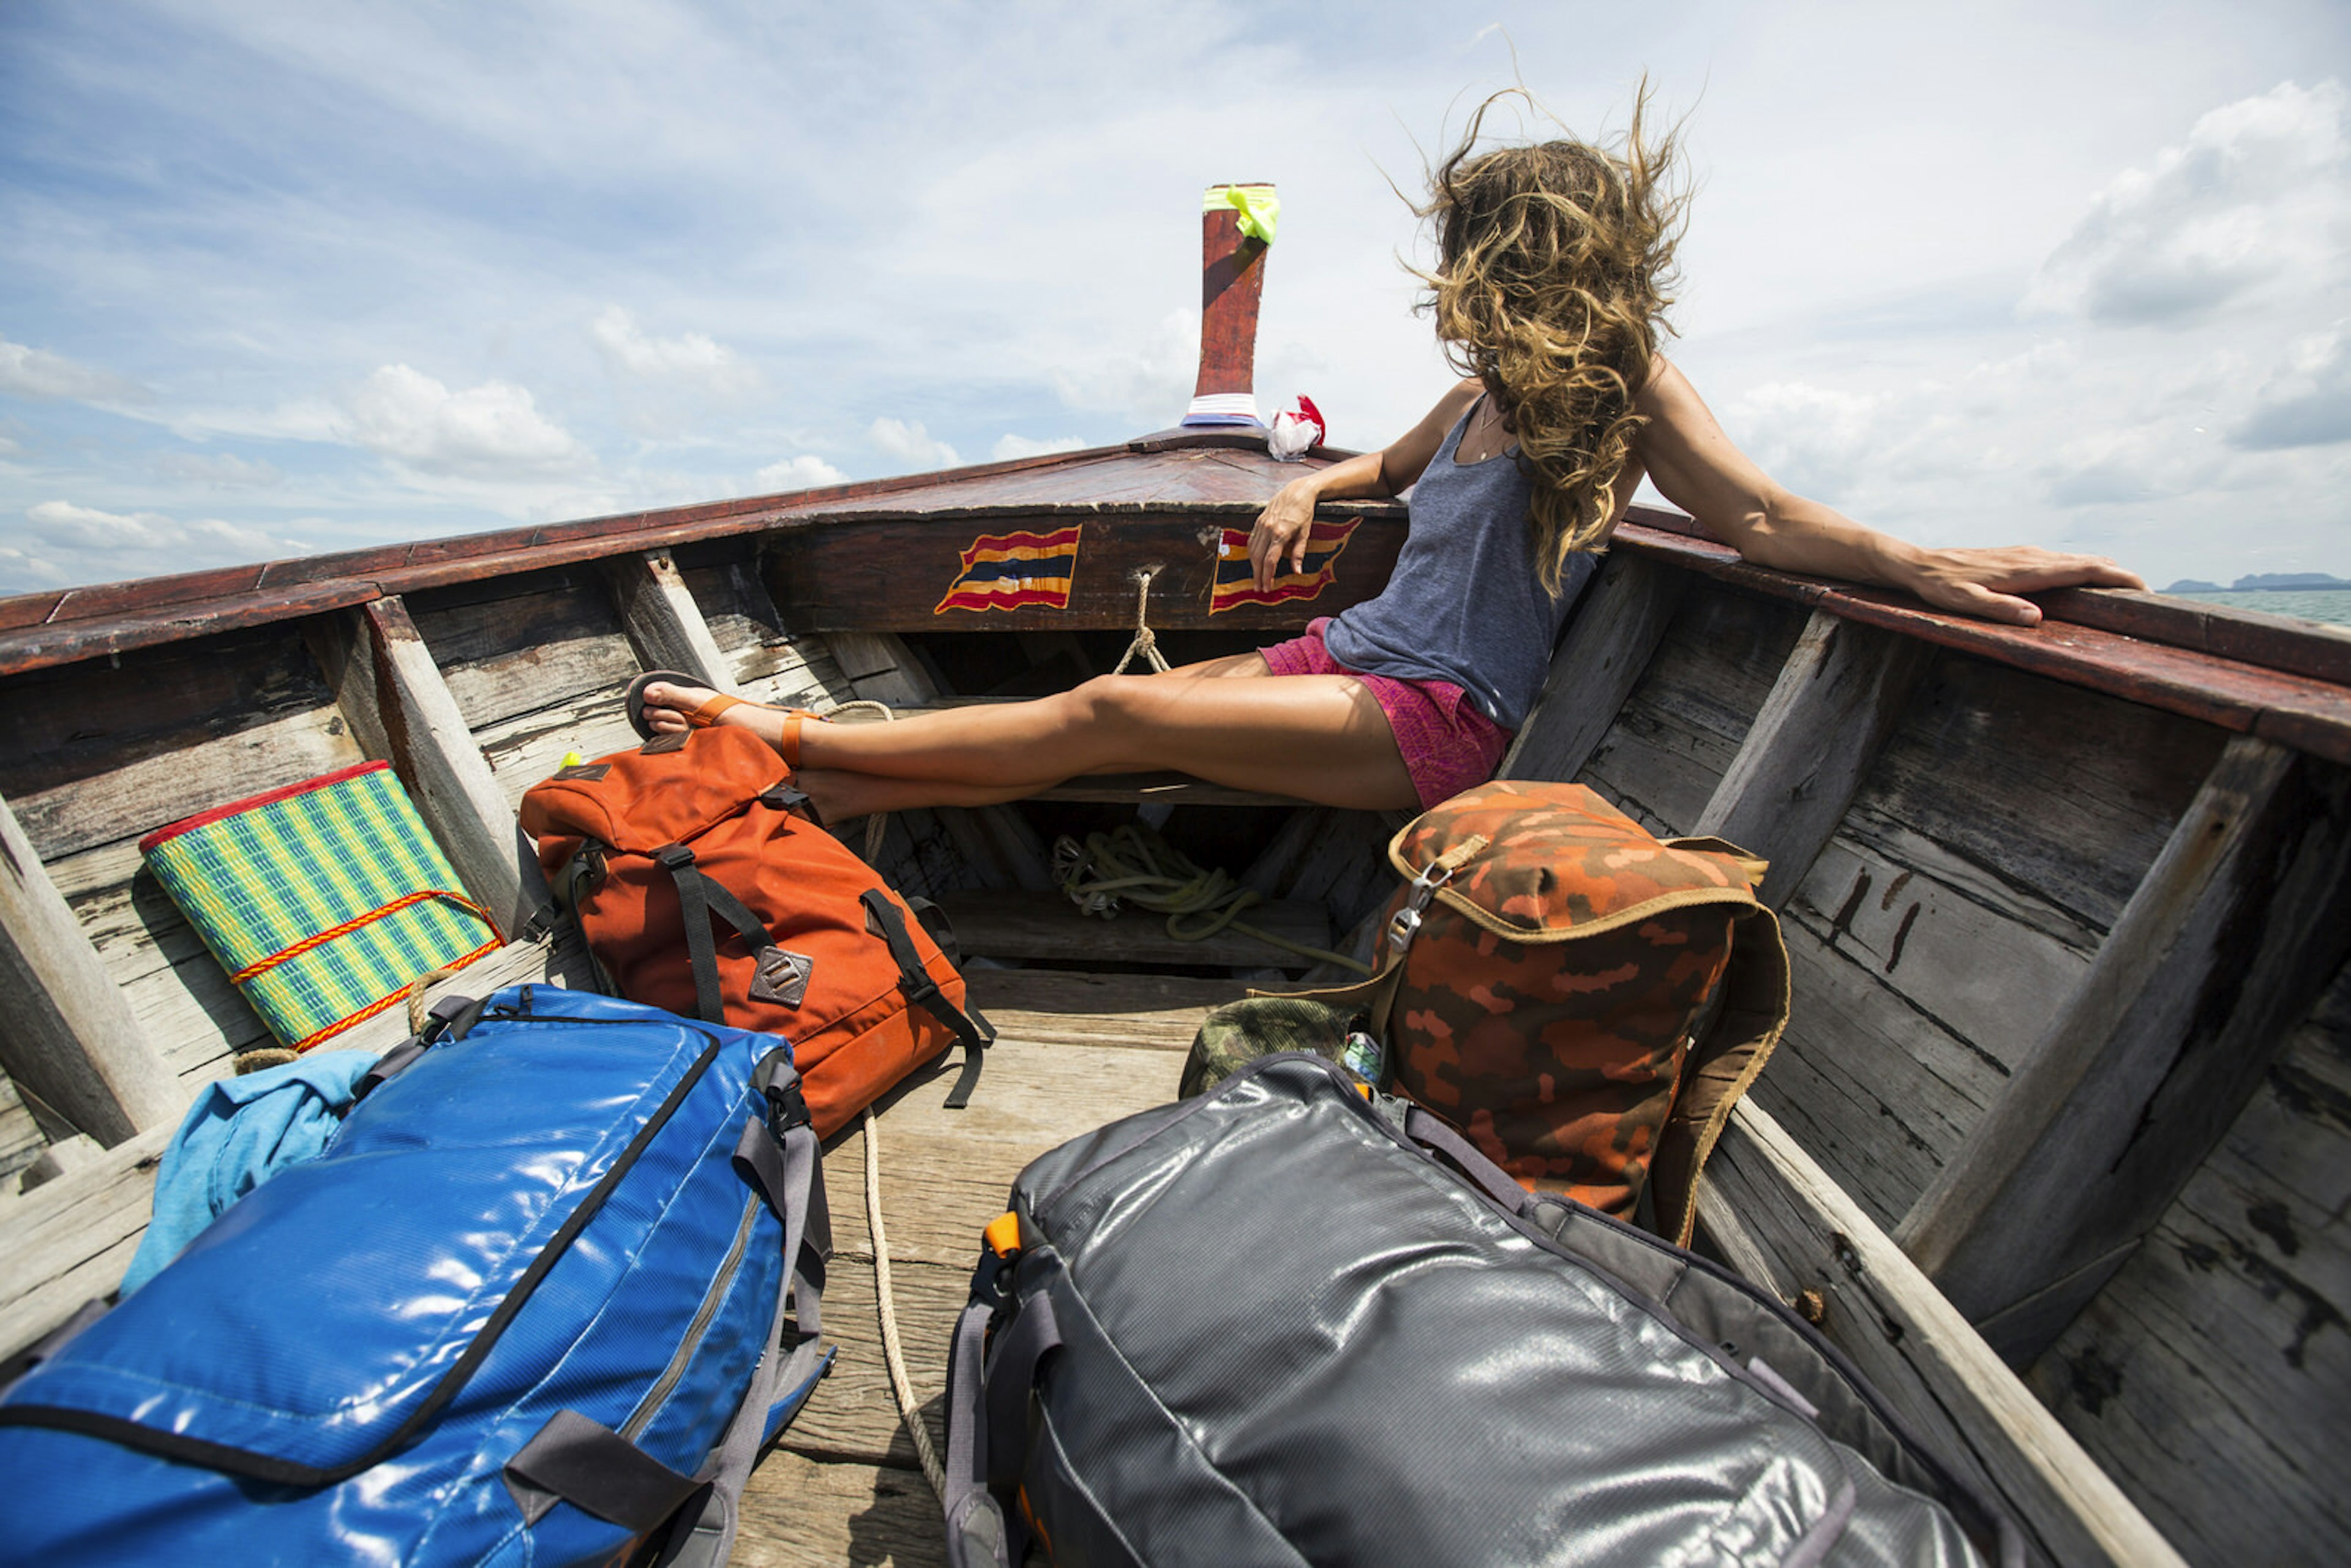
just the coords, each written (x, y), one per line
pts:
(1553, 263)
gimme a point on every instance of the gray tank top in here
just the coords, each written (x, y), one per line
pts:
(1465, 604)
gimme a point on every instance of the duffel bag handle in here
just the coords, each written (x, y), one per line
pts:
(1431, 1130)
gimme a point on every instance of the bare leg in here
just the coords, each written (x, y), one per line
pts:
(1321, 738)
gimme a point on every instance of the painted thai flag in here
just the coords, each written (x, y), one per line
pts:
(1005, 571)
(1235, 586)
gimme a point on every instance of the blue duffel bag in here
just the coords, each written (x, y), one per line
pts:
(529, 1307)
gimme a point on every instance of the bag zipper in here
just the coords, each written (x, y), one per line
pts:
(650, 1406)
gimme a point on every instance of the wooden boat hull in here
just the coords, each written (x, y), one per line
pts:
(2068, 910)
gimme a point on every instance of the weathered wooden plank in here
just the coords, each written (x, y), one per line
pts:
(2312, 716)
(69, 1240)
(21, 1139)
(1837, 699)
(1793, 1230)
(1073, 1007)
(766, 664)
(882, 574)
(2227, 943)
(524, 749)
(170, 733)
(1047, 925)
(2208, 1377)
(516, 646)
(1675, 736)
(2286, 643)
(391, 690)
(1610, 640)
(65, 1033)
(853, 1416)
(663, 621)
(1920, 986)
(2064, 792)
(946, 1174)
(799, 1512)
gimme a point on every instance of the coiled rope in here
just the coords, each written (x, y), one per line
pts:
(1134, 864)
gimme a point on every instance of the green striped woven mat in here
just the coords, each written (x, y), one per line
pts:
(322, 900)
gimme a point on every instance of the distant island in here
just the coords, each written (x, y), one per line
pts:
(2262, 581)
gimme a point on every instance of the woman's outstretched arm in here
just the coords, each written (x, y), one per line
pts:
(1281, 527)
(1695, 467)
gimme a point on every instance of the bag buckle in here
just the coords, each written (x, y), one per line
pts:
(991, 1281)
(787, 1108)
(1405, 925)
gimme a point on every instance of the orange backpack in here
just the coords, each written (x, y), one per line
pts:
(648, 847)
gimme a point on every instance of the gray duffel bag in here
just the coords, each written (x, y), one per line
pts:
(1284, 1322)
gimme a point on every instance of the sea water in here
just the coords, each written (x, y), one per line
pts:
(2331, 605)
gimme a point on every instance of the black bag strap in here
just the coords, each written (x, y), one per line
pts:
(701, 895)
(970, 1027)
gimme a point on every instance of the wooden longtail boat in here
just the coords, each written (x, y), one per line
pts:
(2058, 1145)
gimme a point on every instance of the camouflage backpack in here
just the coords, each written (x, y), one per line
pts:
(1585, 1002)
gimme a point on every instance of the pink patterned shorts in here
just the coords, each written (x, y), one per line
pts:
(1446, 743)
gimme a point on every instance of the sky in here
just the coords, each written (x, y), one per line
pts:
(277, 278)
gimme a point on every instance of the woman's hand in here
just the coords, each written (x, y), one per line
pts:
(1986, 582)
(1282, 528)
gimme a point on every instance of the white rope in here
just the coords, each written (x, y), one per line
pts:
(1146, 641)
(900, 1383)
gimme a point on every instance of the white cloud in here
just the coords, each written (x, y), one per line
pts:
(2307, 402)
(1009, 446)
(1148, 382)
(63, 523)
(221, 470)
(2258, 198)
(37, 373)
(908, 441)
(802, 473)
(694, 357)
(492, 431)
(86, 542)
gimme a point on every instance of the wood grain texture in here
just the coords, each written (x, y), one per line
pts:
(1920, 984)
(21, 1140)
(1792, 1229)
(1047, 925)
(389, 689)
(891, 575)
(66, 1032)
(1232, 281)
(2218, 956)
(2208, 1377)
(69, 1242)
(2291, 710)
(518, 645)
(1609, 643)
(1837, 699)
(801, 1512)
(662, 622)
(2206, 848)
(1666, 749)
(170, 733)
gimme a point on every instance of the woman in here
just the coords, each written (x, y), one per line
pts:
(1549, 296)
